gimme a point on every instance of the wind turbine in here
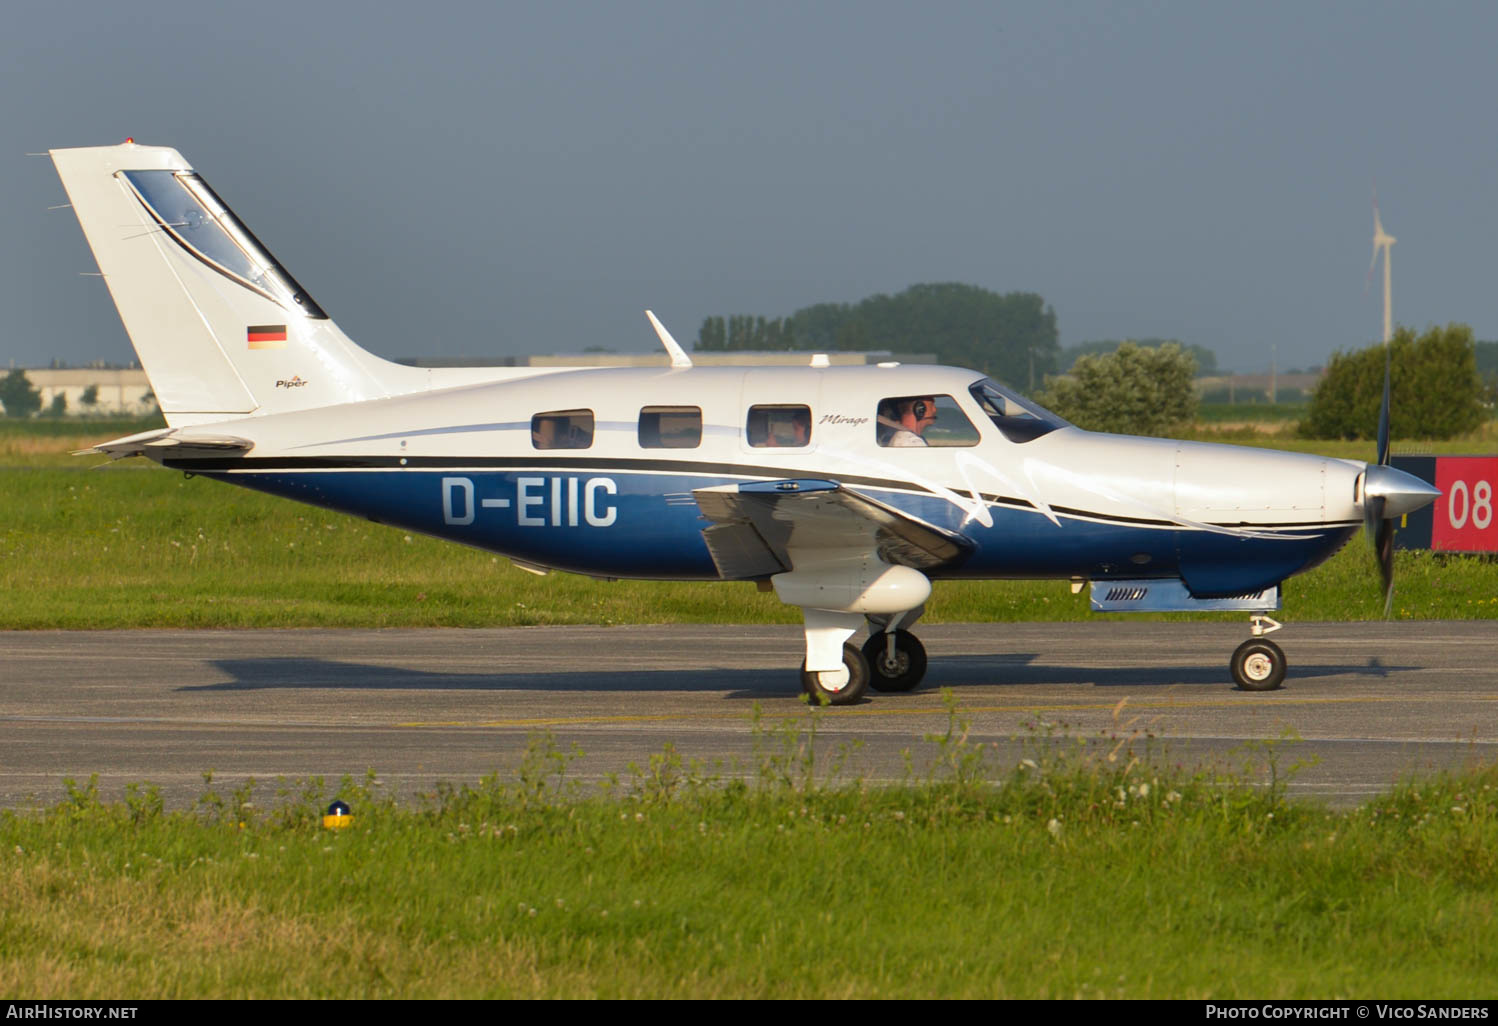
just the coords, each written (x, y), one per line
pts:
(1382, 239)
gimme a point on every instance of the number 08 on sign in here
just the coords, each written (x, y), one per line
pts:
(1462, 519)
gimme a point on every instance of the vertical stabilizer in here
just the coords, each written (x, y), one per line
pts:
(220, 327)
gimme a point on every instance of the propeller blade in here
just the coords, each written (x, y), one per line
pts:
(1373, 515)
(1383, 547)
(1383, 414)
(1380, 531)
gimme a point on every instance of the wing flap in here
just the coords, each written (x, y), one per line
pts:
(760, 528)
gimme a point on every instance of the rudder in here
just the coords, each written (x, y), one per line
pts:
(221, 329)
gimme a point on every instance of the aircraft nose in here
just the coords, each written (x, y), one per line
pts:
(1402, 492)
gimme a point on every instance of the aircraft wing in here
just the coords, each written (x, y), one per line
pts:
(759, 526)
(164, 442)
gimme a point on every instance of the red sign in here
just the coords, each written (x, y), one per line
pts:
(1463, 518)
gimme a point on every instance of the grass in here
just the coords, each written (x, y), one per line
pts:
(1073, 874)
(132, 545)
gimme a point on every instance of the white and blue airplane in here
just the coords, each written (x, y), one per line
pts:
(848, 490)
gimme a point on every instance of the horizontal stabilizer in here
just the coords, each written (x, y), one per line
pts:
(173, 442)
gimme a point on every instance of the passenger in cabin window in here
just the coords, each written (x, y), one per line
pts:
(795, 430)
(903, 422)
(544, 433)
(571, 429)
(779, 427)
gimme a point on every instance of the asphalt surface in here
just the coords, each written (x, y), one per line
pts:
(1364, 703)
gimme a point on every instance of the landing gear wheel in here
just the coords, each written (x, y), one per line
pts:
(900, 673)
(839, 687)
(1258, 665)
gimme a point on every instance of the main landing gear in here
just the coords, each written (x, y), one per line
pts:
(843, 686)
(897, 660)
(891, 660)
(1259, 664)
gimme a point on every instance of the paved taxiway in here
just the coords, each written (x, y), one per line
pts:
(1369, 701)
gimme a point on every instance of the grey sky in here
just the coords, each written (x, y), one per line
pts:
(477, 179)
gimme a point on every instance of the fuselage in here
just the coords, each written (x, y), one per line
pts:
(482, 465)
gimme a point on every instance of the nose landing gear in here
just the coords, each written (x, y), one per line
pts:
(1259, 664)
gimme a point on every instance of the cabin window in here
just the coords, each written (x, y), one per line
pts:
(1019, 419)
(670, 427)
(779, 427)
(920, 421)
(562, 429)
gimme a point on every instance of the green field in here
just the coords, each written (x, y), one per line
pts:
(1073, 877)
(133, 545)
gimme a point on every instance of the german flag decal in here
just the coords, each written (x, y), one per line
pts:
(266, 336)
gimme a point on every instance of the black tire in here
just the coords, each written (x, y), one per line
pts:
(1258, 665)
(849, 693)
(907, 668)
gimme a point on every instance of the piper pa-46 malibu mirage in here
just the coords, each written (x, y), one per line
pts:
(846, 489)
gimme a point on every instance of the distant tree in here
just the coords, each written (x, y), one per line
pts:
(712, 336)
(1003, 335)
(963, 325)
(1487, 369)
(745, 332)
(58, 407)
(1206, 359)
(90, 397)
(148, 397)
(1134, 390)
(20, 397)
(1435, 391)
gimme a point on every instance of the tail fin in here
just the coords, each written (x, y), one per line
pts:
(220, 327)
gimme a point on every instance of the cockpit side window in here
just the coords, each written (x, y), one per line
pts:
(562, 429)
(778, 427)
(919, 421)
(1019, 419)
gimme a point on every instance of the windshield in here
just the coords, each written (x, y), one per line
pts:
(1019, 419)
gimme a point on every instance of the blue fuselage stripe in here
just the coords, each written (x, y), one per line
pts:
(614, 523)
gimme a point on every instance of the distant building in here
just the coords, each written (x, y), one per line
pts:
(121, 391)
(1257, 387)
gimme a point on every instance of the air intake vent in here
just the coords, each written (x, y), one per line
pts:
(1166, 595)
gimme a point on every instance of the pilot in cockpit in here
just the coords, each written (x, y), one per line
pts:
(903, 422)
